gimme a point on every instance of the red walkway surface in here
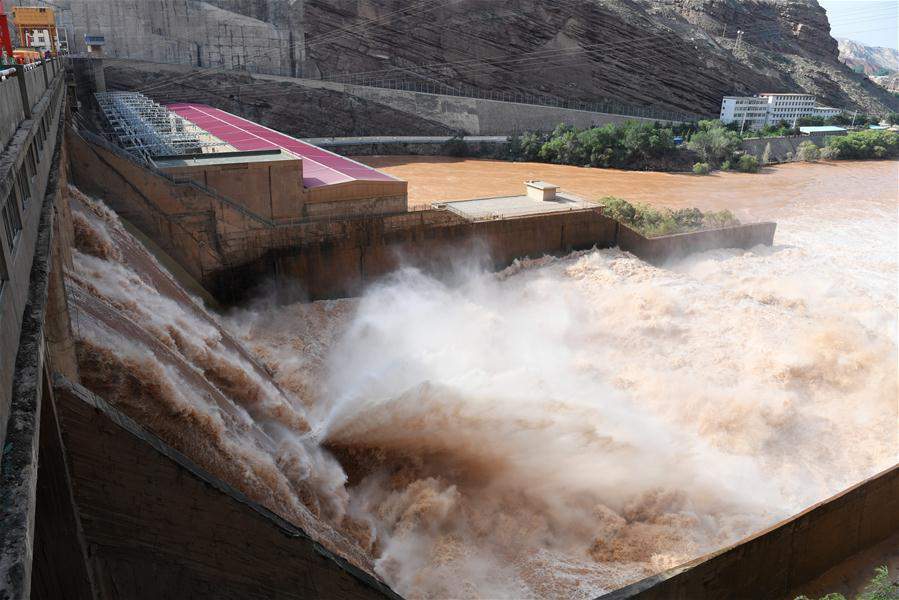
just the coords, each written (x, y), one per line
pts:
(320, 167)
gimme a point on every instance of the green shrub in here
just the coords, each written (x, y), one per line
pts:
(526, 147)
(879, 588)
(807, 151)
(829, 153)
(713, 142)
(726, 166)
(748, 164)
(701, 168)
(651, 221)
(869, 143)
(716, 220)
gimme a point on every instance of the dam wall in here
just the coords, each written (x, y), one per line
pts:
(185, 32)
(231, 250)
(159, 526)
(671, 247)
(367, 250)
(782, 560)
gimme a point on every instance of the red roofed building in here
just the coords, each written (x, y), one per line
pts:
(278, 176)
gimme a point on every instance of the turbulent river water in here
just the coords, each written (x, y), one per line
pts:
(560, 428)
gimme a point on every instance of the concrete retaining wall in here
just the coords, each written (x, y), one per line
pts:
(158, 526)
(783, 149)
(11, 112)
(473, 116)
(479, 148)
(36, 83)
(368, 249)
(671, 247)
(775, 563)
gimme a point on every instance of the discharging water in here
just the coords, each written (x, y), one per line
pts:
(558, 429)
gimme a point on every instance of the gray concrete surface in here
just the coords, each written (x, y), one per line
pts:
(11, 113)
(510, 207)
(182, 31)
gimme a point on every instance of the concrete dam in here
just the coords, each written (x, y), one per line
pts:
(362, 421)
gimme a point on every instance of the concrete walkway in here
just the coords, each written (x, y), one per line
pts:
(401, 139)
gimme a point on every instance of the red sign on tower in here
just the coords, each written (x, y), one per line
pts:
(5, 41)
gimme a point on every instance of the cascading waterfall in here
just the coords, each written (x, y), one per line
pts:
(560, 428)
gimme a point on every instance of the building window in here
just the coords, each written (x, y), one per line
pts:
(4, 273)
(12, 221)
(31, 161)
(24, 187)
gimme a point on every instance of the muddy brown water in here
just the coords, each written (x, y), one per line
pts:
(438, 178)
(558, 429)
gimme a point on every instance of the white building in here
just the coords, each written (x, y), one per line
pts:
(749, 111)
(39, 39)
(753, 112)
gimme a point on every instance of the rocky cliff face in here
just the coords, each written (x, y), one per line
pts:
(677, 54)
(293, 109)
(683, 54)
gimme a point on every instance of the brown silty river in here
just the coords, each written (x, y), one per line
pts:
(558, 429)
(434, 179)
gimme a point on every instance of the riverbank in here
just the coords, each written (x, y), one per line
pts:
(755, 195)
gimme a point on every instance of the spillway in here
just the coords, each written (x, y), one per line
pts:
(561, 428)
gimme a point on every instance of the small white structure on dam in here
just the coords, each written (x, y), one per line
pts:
(540, 197)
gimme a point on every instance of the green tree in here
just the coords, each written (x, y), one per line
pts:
(713, 144)
(563, 147)
(868, 143)
(529, 146)
(602, 145)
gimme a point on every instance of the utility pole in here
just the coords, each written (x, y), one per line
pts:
(854, 114)
(739, 39)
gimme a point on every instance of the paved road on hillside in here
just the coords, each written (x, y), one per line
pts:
(400, 139)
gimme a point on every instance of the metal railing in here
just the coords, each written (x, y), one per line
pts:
(603, 105)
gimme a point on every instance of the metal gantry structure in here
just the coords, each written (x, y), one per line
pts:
(147, 129)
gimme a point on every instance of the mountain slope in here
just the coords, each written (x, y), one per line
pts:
(684, 54)
(676, 54)
(874, 60)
